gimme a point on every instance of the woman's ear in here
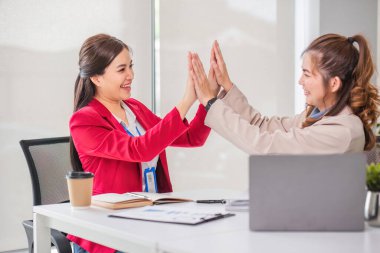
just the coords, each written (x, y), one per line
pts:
(96, 80)
(335, 84)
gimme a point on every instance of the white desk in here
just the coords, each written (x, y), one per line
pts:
(226, 235)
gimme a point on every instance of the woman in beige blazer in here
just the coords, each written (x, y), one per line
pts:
(342, 104)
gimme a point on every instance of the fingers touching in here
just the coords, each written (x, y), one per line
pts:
(218, 53)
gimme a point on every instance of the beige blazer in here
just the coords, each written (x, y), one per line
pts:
(234, 119)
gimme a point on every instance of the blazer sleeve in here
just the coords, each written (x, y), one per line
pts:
(247, 135)
(238, 102)
(197, 133)
(93, 136)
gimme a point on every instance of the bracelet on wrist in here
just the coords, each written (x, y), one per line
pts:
(209, 103)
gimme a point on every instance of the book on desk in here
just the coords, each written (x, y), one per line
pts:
(133, 199)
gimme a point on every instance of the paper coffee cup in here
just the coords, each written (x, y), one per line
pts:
(79, 184)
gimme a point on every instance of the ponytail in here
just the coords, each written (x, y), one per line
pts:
(84, 92)
(364, 97)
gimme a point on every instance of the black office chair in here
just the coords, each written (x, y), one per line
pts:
(48, 161)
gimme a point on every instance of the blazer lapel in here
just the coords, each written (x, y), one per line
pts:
(139, 115)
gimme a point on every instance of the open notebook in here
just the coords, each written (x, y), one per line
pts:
(133, 199)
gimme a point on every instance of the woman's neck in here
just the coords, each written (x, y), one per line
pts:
(328, 102)
(113, 106)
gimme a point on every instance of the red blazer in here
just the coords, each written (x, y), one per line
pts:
(114, 157)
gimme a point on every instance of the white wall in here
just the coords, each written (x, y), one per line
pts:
(39, 46)
(256, 37)
(350, 17)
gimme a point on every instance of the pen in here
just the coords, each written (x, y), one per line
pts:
(212, 201)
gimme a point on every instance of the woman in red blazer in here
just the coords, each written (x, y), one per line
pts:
(118, 138)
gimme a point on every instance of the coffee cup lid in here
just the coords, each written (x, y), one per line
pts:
(79, 174)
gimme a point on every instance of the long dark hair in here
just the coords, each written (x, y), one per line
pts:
(336, 55)
(96, 53)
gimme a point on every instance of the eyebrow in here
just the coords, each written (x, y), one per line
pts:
(121, 65)
(305, 70)
(124, 65)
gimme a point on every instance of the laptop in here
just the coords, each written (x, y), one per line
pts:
(307, 192)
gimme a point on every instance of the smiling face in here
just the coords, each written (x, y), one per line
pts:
(114, 85)
(313, 85)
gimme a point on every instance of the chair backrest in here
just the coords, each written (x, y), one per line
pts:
(48, 161)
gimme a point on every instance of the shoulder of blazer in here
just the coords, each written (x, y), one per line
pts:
(93, 112)
(93, 109)
(344, 117)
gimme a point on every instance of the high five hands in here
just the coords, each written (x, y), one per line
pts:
(202, 86)
(208, 87)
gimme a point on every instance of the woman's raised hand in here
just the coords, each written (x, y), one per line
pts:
(189, 97)
(215, 87)
(203, 88)
(220, 68)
